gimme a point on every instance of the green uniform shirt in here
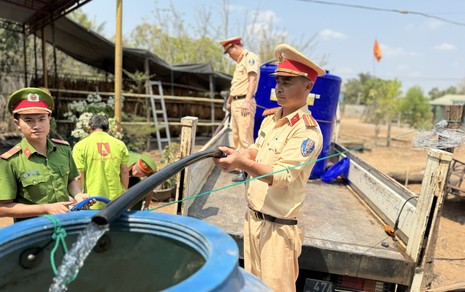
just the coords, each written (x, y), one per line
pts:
(100, 157)
(28, 177)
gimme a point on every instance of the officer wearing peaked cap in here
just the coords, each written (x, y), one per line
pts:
(241, 101)
(38, 173)
(140, 165)
(288, 143)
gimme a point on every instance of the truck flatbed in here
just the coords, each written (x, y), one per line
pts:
(342, 234)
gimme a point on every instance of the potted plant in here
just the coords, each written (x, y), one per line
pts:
(167, 189)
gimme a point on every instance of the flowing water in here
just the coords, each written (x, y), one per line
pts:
(74, 258)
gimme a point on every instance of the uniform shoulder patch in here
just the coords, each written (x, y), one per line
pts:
(309, 121)
(10, 152)
(307, 147)
(59, 141)
(270, 111)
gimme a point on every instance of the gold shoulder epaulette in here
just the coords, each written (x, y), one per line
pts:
(270, 111)
(59, 141)
(309, 121)
(10, 152)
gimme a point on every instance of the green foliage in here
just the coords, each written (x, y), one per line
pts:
(415, 109)
(353, 89)
(380, 96)
(80, 17)
(436, 93)
(169, 154)
(82, 111)
(136, 134)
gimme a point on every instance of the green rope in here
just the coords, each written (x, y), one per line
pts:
(59, 236)
(254, 178)
(268, 174)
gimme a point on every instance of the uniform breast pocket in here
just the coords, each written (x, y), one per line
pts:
(276, 146)
(34, 187)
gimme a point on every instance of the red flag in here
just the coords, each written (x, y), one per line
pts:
(377, 51)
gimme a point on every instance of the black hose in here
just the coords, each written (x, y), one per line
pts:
(136, 193)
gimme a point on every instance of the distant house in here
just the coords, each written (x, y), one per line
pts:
(439, 105)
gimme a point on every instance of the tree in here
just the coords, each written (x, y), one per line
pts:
(177, 42)
(353, 89)
(380, 97)
(415, 109)
(436, 93)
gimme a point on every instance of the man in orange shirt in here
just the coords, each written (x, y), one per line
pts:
(241, 101)
(288, 144)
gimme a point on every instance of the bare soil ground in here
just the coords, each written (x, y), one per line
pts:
(401, 157)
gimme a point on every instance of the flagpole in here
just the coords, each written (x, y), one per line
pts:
(374, 67)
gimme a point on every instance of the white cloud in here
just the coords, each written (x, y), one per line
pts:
(396, 51)
(328, 34)
(262, 21)
(434, 24)
(445, 47)
(344, 70)
(403, 67)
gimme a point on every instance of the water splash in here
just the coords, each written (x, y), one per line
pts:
(75, 257)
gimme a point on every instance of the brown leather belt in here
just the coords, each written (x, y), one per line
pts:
(261, 216)
(236, 97)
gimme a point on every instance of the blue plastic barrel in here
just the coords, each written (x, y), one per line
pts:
(262, 97)
(326, 91)
(324, 108)
(142, 251)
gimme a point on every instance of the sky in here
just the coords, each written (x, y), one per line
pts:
(425, 47)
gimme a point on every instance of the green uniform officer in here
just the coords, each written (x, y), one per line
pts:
(140, 165)
(38, 174)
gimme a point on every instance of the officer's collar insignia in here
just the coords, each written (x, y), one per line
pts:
(294, 119)
(34, 97)
(27, 152)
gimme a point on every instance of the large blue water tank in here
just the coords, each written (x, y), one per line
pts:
(142, 251)
(326, 92)
(324, 109)
(262, 97)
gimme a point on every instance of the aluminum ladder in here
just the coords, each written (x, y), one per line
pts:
(159, 112)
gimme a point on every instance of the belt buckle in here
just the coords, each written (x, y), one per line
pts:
(255, 215)
(259, 215)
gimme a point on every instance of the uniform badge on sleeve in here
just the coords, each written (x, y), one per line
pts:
(251, 62)
(307, 147)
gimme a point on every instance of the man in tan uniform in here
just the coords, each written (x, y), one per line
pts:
(241, 101)
(286, 148)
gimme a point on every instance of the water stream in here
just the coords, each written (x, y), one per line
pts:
(74, 259)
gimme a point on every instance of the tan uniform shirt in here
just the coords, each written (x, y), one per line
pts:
(248, 62)
(283, 143)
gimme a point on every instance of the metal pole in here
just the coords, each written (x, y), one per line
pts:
(25, 56)
(44, 61)
(118, 62)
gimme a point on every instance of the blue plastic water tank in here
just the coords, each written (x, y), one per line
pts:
(142, 251)
(324, 108)
(262, 97)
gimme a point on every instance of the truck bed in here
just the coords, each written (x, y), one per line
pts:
(342, 235)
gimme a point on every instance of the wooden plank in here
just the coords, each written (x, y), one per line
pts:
(188, 130)
(426, 220)
(198, 173)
